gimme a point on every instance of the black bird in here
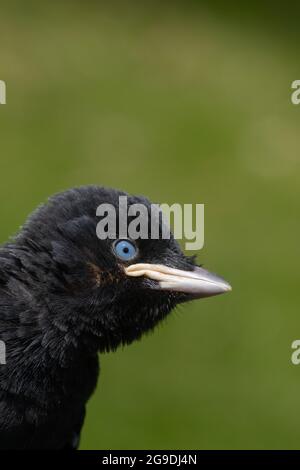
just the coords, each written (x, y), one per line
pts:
(65, 295)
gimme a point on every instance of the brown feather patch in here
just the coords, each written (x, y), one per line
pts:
(96, 273)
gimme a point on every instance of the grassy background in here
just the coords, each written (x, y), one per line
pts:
(183, 102)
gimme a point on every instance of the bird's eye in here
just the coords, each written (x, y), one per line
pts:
(125, 250)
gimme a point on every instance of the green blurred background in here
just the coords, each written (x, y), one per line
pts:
(184, 102)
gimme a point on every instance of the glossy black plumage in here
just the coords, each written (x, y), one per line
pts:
(63, 298)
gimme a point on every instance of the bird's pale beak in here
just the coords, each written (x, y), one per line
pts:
(197, 283)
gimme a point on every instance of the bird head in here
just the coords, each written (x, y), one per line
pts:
(104, 292)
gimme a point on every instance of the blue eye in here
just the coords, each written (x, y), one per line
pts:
(125, 250)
